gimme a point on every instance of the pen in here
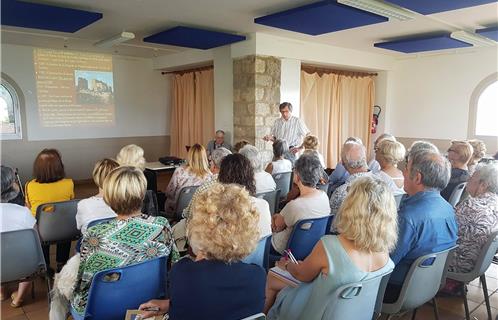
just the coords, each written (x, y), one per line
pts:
(291, 256)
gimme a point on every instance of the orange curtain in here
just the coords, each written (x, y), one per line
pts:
(192, 111)
(335, 107)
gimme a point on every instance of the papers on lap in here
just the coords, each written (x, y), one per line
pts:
(284, 276)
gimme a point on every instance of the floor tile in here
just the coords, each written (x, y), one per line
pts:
(455, 305)
(427, 312)
(475, 294)
(481, 313)
(41, 314)
(18, 317)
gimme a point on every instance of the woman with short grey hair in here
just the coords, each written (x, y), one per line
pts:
(13, 217)
(264, 180)
(477, 216)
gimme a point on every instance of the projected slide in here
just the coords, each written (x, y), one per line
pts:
(74, 88)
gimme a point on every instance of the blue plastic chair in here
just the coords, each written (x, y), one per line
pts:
(116, 290)
(329, 224)
(260, 255)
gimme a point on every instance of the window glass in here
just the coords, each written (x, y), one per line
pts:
(487, 111)
(10, 119)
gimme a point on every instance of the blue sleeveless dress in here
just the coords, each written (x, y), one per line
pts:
(309, 300)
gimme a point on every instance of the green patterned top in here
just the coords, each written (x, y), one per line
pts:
(119, 243)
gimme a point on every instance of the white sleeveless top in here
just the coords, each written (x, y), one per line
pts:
(282, 165)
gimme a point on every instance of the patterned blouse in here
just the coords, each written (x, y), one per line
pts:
(477, 218)
(182, 177)
(119, 243)
(341, 192)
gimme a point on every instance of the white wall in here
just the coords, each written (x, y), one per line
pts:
(142, 98)
(223, 91)
(430, 95)
(290, 83)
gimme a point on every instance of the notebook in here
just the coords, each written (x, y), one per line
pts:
(285, 276)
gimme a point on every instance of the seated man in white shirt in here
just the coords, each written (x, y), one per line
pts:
(311, 203)
(13, 217)
(264, 180)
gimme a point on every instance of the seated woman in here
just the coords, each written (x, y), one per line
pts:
(194, 173)
(388, 153)
(95, 208)
(114, 241)
(216, 284)
(264, 180)
(477, 216)
(311, 203)
(13, 217)
(50, 185)
(340, 174)
(368, 230)
(279, 164)
(459, 155)
(479, 149)
(131, 155)
(311, 143)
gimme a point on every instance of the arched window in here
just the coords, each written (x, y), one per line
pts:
(483, 115)
(10, 115)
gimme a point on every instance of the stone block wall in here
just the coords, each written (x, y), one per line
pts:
(256, 97)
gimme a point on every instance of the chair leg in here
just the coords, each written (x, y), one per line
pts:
(49, 288)
(434, 305)
(33, 289)
(414, 313)
(465, 302)
(486, 296)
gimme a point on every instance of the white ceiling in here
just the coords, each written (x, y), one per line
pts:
(146, 17)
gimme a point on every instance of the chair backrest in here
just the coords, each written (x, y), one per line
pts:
(116, 290)
(483, 261)
(272, 197)
(150, 205)
(283, 181)
(260, 255)
(329, 224)
(21, 254)
(457, 194)
(57, 221)
(422, 281)
(305, 235)
(347, 299)
(259, 316)
(184, 199)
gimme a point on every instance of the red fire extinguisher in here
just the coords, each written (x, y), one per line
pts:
(375, 118)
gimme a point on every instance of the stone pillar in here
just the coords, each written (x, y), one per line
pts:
(256, 97)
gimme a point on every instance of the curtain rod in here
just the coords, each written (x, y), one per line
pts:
(189, 70)
(321, 71)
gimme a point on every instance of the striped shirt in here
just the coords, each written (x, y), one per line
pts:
(292, 130)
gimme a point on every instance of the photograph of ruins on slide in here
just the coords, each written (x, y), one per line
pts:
(94, 87)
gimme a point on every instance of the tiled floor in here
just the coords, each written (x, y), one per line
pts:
(449, 308)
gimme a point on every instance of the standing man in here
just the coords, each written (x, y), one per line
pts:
(288, 128)
(218, 142)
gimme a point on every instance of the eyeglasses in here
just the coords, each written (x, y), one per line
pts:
(487, 160)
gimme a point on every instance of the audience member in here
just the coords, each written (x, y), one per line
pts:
(194, 173)
(477, 216)
(264, 180)
(479, 149)
(216, 284)
(496, 156)
(13, 217)
(340, 174)
(279, 164)
(421, 145)
(216, 157)
(116, 241)
(50, 185)
(426, 221)
(368, 231)
(311, 203)
(354, 159)
(310, 144)
(131, 155)
(459, 154)
(388, 154)
(218, 142)
(95, 208)
(239, 145)
(373, 165)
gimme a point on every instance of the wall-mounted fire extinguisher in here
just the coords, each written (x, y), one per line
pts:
(375, 119)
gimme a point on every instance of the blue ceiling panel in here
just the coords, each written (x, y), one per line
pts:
(421, 44)
(46, 17)
(320, 17)
(435, 6)
(491, 33)
(193, 38)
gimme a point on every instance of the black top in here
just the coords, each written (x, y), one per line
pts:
(457, 176)
(210, 289)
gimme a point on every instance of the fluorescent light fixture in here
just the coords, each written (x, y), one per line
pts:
(472, 38)
(117, 39)
(380, 8)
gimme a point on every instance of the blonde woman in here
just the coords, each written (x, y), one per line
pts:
(115, 241)
(368, 231)
(95, 208)
(310, 144)
(459, 155)
(131, 155)
(215, 284)
(194, 173)
(479, 152)
(388, 154)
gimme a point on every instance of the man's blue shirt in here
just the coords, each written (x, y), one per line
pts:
(426, 224)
